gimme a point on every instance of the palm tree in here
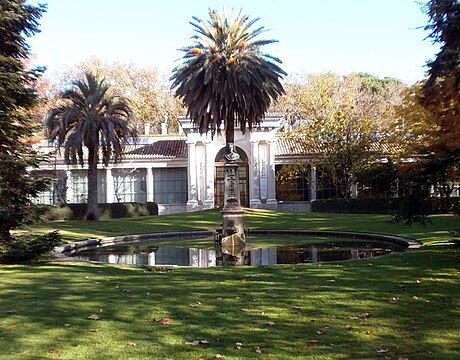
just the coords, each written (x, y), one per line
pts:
(226, 79)
(88, 117)
(224, 76)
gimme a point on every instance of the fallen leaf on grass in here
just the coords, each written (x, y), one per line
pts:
(165, 321)
(313, 341)
(381, 351)
(258, 350)
(94, 317)
(349, 327)
(197, 342)
(132, 344)
(11, 312)
(219, 356)
(238, 345)
(403, 358)
(148, 293)
(364, 315)
(297, 307)
(162, 321)
(323, 330)
(66, 325)
(270, 323)
(54, 351)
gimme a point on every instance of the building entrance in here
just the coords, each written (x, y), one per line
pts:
(243, 174)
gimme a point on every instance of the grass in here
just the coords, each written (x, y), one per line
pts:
(439, 230)
(406, 305)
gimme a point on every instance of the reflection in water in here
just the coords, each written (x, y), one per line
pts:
(143, 254)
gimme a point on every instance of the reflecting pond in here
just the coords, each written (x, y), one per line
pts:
(311, 251)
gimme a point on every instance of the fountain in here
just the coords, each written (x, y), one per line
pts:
(308, 247)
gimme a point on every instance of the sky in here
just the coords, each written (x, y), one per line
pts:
(381, 37)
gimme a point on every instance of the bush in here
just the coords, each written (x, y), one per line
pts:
(106, 211)
(27, 248)
(386, 206)
(356, 206)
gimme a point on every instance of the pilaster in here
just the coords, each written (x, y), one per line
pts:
(109, 182)
(149, 184)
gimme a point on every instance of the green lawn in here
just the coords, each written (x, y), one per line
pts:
(403, 306)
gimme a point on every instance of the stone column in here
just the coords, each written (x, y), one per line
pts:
(209, 170)
(200, 158)
(109, 185)
(254, 176)
(149, 184)
(263, 171)
(354, 190)
(313, 187)
(69, 191)
(192, 202)
(271, 190)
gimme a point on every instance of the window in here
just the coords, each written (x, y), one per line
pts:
(292, 185)
(129, 185)
(45, 197)
(79, 186)
(170, 185)
(325, 189)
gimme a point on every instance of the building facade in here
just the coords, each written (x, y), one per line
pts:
(184, 173)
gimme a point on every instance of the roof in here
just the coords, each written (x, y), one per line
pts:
(162, 149)
(291, 146)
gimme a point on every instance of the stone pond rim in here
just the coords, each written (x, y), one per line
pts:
(60, 250)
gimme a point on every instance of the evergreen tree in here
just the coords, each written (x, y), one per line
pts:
(18, 20)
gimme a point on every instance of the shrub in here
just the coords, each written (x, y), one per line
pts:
(25, 248)
(106, 211)
(388, 206)
(356, 206)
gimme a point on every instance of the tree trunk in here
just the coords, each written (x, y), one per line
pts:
(230, 131)
(92, 211)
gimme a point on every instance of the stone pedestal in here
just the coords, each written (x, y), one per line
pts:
(232, 212)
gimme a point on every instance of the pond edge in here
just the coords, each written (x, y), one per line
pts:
(59, 251)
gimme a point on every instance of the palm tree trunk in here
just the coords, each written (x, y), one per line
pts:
(92, 211)
(230, 131)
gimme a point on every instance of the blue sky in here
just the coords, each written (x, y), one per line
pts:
(381, 37)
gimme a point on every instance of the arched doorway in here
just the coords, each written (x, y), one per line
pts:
(243, 173)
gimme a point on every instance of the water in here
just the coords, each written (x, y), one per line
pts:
(146, 253)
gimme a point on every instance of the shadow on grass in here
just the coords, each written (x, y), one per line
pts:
(289, 312)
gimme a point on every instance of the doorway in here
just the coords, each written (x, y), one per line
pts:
(243, 174)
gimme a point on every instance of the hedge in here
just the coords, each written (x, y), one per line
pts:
(106, 211)
(381, 206)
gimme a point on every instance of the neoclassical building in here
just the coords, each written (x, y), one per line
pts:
(184, 173)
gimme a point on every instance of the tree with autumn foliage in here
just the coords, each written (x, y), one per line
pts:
(151, 100)
(441, 92)
(343, 120)
(431, 116)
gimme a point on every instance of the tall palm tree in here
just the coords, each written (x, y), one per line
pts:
(88, 116)
(224, 76)
(226, 79)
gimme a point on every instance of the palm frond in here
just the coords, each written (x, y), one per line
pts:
(228, 80)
